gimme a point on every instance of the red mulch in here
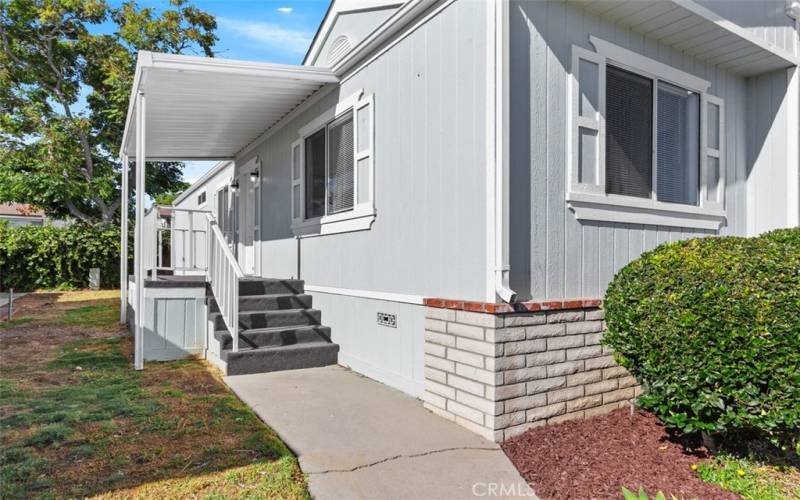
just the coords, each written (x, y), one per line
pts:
(595, 458)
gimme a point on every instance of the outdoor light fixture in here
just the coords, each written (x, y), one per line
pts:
(234, 186)
(254, 176)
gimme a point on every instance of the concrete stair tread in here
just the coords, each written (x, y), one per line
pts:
(273, 312)
(269, 302)
(281, 348)
(263, 286)
(243, 331)
(287, 357)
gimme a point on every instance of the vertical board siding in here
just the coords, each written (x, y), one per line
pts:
(560, 256)
(430, 167)
(767, 152)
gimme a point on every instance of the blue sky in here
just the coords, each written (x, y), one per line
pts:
(273, 31)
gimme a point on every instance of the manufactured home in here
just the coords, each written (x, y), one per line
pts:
(439, 195)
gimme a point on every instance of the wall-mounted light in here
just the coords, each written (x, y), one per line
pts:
(254, 176)
(234, 186)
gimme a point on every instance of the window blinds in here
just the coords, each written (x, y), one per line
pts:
(678, 145)
(340, 165)
(629, 129)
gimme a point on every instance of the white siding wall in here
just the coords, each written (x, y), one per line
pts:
(428, 239)
(553, 254)
(429, 235)
(768, 152)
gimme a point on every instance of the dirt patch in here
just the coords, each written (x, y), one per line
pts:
(596, 458)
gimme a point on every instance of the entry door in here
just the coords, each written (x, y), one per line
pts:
(247, 218)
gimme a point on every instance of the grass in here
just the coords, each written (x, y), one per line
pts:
(76, 421)
(14, 322)
(754, 475)
(90, 316)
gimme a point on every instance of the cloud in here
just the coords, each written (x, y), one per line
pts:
(285, 10)
(272, 35)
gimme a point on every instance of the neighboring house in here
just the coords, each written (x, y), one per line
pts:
(17, 214)
(455, 183)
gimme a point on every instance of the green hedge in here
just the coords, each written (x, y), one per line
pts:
(47, 257)
(711, 328)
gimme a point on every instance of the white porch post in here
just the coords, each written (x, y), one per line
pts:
(138, 361)
(123, 244)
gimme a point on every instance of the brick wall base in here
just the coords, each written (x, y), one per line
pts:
(501, 374)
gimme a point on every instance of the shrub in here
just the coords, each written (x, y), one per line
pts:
(788, 236)
(711, 328)
(34, 257)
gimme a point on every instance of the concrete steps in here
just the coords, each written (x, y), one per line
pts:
(278, 329)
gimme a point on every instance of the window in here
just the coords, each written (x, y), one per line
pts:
(332, 170)
(315, 175)
(644, 142)
(201, 199)
(340, 180)
(629, 136)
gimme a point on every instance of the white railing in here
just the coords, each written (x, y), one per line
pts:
(223, 274)
(149, 237)
(180, 230)
(182, 233)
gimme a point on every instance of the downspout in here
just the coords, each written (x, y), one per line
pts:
(497, 153)
(793, 11)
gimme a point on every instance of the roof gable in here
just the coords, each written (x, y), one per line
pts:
(346, 23)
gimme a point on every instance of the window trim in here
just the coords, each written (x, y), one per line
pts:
(363, 213)
(591, 201)
(204, 195)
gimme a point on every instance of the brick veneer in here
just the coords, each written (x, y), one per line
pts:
(499, 374)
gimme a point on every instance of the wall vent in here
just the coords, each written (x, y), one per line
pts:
(339, 47)
(387, 319)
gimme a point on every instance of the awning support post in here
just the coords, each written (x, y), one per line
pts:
(138, 361)
(123, 245)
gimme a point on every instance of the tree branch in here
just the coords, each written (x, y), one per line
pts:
(77, 213)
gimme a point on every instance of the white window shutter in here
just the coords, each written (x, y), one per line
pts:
(586, 144)
(297, 170)
(713, 144)
(364, 150)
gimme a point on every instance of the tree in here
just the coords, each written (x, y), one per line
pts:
(65, 80)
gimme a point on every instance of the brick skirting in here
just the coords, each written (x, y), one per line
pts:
(501, 373)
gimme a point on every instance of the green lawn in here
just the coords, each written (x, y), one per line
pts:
(76, 420)
(755, 476)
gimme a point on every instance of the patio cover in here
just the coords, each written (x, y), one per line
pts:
(197, 108)
(209, 109)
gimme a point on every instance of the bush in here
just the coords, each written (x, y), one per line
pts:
(788, 236)
(36, 257)
(711, 328)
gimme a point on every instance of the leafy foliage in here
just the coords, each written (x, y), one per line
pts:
(34, 257)
(64, 91)
(710, 327)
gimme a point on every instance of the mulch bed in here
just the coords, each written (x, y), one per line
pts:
(595, 458)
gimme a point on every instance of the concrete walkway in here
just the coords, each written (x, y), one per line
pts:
(357, 438)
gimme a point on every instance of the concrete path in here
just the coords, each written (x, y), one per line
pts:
(357, 438)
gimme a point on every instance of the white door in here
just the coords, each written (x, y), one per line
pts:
(248, 208)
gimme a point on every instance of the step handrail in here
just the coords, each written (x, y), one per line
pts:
(224, 273)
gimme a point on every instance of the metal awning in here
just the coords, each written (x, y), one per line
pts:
(695, 30)
(206, 108)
